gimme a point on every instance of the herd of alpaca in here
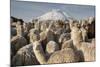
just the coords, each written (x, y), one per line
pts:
(52, 42)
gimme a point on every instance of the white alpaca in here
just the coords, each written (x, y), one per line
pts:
(51, 47)
(34, 35)
(39, 53)
(43, 26)
(62, 56)
(88, 52)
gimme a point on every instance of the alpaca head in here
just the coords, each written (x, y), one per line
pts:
(64, 37)
(37, 25)
(39, 53)
(43, 26)
(36, 45)
(74, 23)
(85, 24)
(67, 44)
(52, 47)
(34, 35)
(91, 19)
(76, 35)
(19, 29)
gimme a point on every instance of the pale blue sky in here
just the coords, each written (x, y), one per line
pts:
(29, 10)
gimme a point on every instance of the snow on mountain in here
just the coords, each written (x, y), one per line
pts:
(54, 15)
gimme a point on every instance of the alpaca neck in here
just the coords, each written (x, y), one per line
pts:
(77, 44)
(39, 53)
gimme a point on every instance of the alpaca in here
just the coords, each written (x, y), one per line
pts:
(91, 27)
(46, 36)
(39, 53)
(19, 29)
(13, 32)
(84, 34)
(91, 20)
(74, 24)
(37, 25)
(89, 51)
(43, 26)
(26, 29)
(24, 56)
(68, 30)
(85, 47)
(76, 33)
(51, 47)
(34, 35)
(62, 56)
(47, 33)
(57, 33)
(69, 44)
(64, 37)
(17, 41)
(59, 29)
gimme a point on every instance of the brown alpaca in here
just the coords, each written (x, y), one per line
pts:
(18, 41)
(24, 56)
(64, 37)
(34, 35)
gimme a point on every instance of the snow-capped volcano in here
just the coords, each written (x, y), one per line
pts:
(54, 15)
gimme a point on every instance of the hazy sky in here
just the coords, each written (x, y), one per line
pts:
(29, 10)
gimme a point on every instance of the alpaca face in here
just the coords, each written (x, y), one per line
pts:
(34, 35)
(76, 35)
(90, 19)
(68, 44)
(19, 29)
(64, 37)
(25, 26)
(43, 26)
(35, 44)
(52, 47)
(19, 23)
(84, 34)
